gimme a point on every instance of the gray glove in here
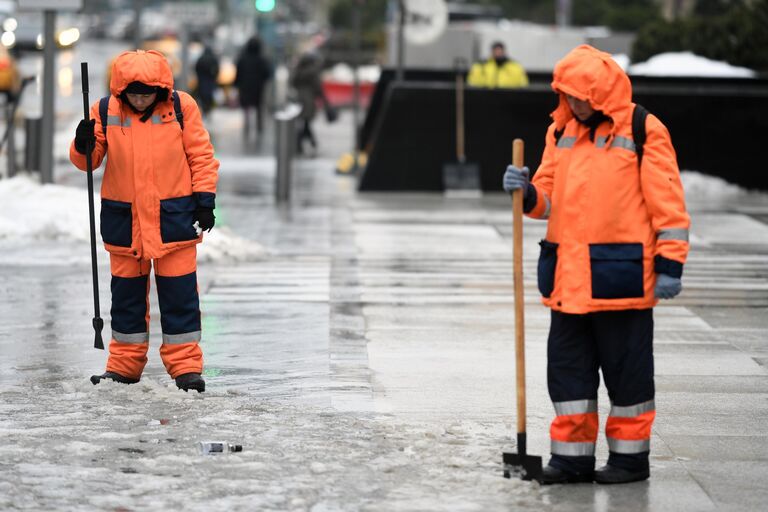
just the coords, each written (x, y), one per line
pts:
(667, 287)
(515, 178)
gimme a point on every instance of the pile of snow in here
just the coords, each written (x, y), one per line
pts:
(221, 244)
(699, 186)
(687, 64)
(622, 59)
(43, 212)
(35, 212)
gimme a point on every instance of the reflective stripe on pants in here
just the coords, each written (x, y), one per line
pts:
(176, 278)
(628, 428)
(620, 343)
(574, 429)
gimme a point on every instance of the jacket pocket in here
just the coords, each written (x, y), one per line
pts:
(116, 223)
(176, 218)
(617, 270)
(546, 268)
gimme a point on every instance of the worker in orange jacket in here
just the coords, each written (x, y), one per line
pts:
(617, 239)
(157, 196)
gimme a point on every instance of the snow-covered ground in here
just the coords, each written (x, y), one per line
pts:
(40, 214)
(116, 447)
(402, 331)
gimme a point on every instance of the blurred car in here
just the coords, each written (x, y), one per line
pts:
(10, 81)
(24, 31)
(171, 48)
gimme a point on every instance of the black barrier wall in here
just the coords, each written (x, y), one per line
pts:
(415, 75)
(715, 126)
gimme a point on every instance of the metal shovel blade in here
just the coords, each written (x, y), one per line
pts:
(461, 176)
(527, 467)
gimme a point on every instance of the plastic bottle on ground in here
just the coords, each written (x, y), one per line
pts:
(218, 447)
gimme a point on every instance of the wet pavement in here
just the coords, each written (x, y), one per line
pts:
(365, 361)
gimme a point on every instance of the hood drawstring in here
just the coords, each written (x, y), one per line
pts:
(122, 119)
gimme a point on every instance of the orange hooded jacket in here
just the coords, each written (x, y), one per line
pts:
(612, 225)
(156, 173)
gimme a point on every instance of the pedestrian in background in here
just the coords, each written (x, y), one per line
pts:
(617, 239)
(499, 71)
(254, 71)
(207, 70)
(305, 80)
(157, 196)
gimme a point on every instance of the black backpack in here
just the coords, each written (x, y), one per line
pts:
(638, 130)
(104, 108)
(639, 114)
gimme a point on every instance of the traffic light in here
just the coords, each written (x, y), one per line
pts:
(264, 5)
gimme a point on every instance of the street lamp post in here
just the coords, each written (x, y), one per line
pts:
(137, 7)
(400, 74)
(49, 9)
(49, 114)
(357, 36)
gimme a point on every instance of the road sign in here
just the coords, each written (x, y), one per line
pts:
(50, 5)
(425, 20)
(191, 13)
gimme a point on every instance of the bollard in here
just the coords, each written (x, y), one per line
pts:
(285, 140)
(10, 137)
(33, 136)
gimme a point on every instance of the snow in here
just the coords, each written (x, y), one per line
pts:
(699, 186)
(35, 213)
(293, 458)
(43, 212)
(622, 60)
(687, 64)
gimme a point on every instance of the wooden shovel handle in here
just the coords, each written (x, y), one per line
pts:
(460, 151)
(517, 261)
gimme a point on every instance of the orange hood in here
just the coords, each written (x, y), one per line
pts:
(148, 67)
(588, 74)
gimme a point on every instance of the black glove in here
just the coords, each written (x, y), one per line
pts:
(84, 136)
(205, 218)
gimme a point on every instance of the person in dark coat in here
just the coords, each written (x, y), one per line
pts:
(306, 82)
(207, 70)
(253, 72)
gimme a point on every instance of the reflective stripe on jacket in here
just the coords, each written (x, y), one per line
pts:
(489, 74)
(156, 173)
(612, 226)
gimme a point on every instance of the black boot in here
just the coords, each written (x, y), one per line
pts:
(189, 381)
(95, 379)
(612, 475)
(553, 475)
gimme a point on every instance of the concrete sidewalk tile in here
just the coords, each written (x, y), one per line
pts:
(669, 489)
(733, 485)
(719, 447)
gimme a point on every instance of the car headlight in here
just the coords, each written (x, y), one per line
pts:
(10, 24)
(68, 37)
(8, 39)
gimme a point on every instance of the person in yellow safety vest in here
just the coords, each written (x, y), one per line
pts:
(616, 243)
(498, 71)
